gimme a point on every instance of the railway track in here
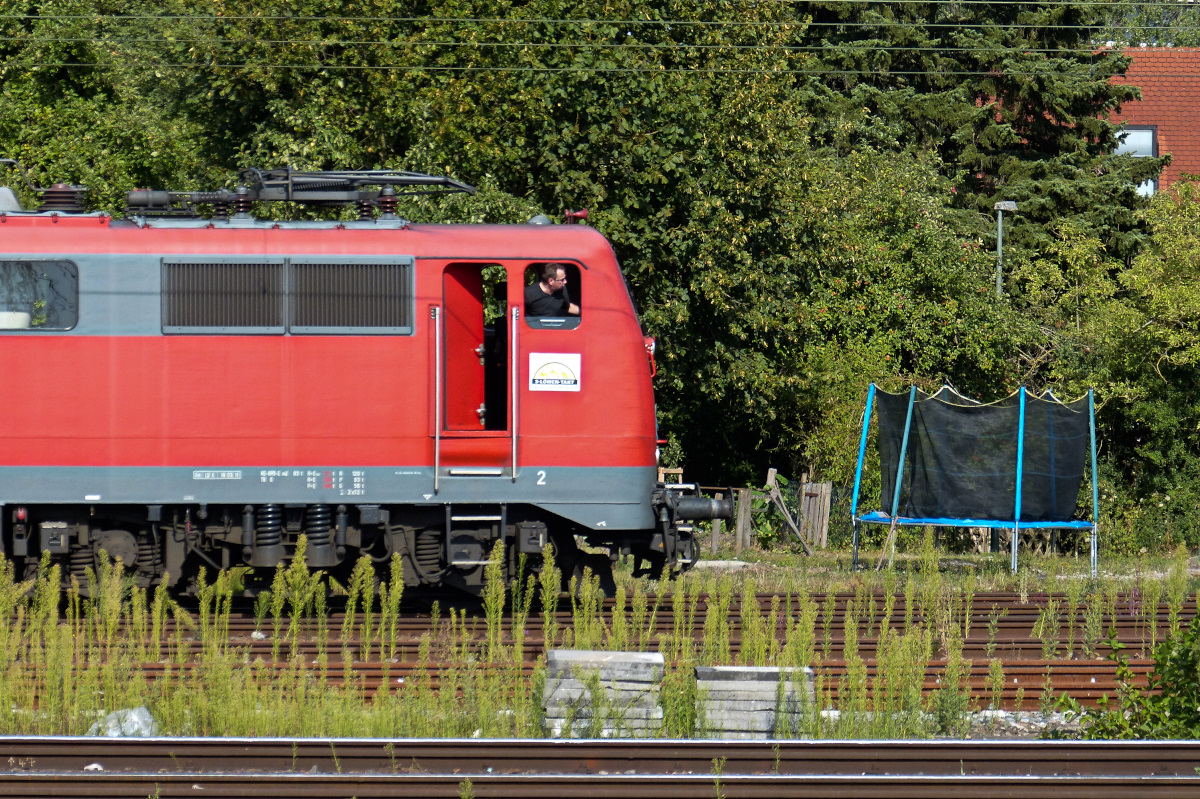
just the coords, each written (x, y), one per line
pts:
(1022, 687)
(622, 786)
(999, 625)
(1003, 627)
(28, 754)
(69, 767)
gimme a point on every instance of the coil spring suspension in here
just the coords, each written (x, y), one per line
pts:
(317, 522)
(268, 525)
(149, 559)
(429, 551)
(82, 559)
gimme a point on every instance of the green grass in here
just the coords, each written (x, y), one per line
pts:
(68, 657)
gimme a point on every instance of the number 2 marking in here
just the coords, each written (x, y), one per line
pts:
(541, 477)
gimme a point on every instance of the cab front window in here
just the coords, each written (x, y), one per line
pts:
(553, 295)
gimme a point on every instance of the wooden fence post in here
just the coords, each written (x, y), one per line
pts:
(741, 534)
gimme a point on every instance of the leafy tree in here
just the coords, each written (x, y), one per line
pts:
(77, 100)
(799, 193)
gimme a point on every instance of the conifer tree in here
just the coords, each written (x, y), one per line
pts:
(1015, 98)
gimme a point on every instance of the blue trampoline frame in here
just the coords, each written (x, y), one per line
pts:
(879, 517)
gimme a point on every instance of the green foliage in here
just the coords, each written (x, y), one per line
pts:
(1169, 707)
(799, 193)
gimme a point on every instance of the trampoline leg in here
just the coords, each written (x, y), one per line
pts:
(854, 538)
(1016, 535)
(995, 542)
(1095, 543)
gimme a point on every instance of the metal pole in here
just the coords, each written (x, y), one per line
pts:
(1000, 208)
(999, 253)
(862, 450)
(1095, 482)
(912, 398)
(1020, 465)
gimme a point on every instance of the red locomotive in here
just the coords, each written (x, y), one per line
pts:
(188, 389)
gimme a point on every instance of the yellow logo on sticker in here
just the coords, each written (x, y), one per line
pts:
(554, 373)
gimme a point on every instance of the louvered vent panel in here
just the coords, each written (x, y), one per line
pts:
(351, 295)
(223, 295)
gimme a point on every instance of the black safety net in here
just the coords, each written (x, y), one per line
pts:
(961, 459)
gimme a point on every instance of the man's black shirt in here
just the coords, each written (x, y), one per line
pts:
(539, 303)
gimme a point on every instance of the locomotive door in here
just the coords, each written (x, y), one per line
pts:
(473, 433)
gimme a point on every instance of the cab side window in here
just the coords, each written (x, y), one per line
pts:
(553, 295)
(38, 295)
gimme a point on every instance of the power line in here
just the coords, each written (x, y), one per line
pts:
(546, 70)
(526, 45)
(667, 23)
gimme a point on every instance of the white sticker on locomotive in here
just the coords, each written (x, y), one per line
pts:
(217, 474)
(554, 371)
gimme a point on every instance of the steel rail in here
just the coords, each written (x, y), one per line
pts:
(472, 757)
(617, 786)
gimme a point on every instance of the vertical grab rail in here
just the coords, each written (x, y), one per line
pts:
(436, 316)
(516, 385)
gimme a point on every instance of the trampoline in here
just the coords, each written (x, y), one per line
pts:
(950, 461)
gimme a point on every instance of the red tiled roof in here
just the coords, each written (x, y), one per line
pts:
(1169, 78)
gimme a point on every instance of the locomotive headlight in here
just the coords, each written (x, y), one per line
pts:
(658, 456)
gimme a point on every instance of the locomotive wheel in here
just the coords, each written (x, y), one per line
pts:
(600, 566)
(117, 545)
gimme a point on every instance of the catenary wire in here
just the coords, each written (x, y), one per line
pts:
(342, 18)
(554, 70)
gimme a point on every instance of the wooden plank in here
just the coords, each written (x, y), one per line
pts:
(777, 498)
(741, 533)
(826, 500)
(806, 520)
(663, 472)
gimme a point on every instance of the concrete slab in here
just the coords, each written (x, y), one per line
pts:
(626, 714)
(753, 673)
(754, 722)
(629, 666)
(616, 699)
(749, 691)
(721, 565)
(744, 706)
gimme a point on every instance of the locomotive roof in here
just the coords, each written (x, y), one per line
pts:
(71, 233)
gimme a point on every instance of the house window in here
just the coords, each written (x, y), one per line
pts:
(1140, 142)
